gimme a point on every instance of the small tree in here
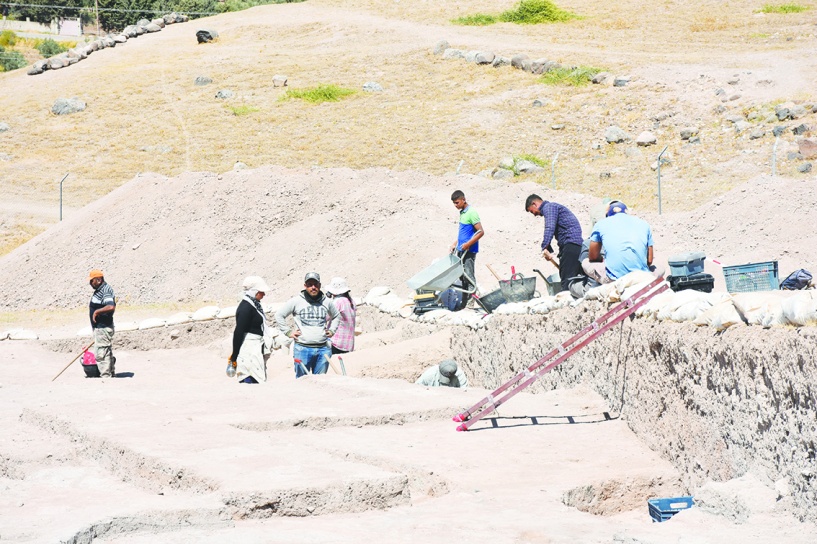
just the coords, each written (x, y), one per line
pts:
(11, 60)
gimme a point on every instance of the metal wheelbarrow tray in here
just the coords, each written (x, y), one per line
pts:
(440, 276)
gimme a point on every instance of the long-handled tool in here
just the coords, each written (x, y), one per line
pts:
(549, 256)
(342, 366)
(301, 364)
(72, 361)
(493, 272)
(329, 360)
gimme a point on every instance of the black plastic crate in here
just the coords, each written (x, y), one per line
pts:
(698, 282)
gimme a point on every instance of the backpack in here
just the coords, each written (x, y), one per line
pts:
(799, 279)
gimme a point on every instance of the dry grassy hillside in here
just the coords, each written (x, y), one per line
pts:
(145, 113)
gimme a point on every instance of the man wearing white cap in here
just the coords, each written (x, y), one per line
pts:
(316, 320)
(445, 374)
(249, 356)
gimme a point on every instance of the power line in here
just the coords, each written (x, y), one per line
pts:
(78, 8)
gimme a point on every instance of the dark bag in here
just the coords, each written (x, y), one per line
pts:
(799, 279)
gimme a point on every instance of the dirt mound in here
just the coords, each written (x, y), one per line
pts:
(193, 238)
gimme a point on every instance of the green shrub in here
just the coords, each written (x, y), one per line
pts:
(321, 93)
(480, 19)
(531, 12)
(242, 110)
(574, 77)
(49, 48)
(532, 158)
(8, 38)
(783, 8)
(11, 60)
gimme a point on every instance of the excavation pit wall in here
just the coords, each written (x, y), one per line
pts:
(717, 405)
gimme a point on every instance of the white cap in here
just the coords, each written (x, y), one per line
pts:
(337, 286)
(255, 283)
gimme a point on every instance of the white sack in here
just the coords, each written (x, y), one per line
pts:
(721, 316)
(800, 309)
(151, 323)
(205, 314)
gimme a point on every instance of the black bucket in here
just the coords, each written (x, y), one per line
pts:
(91, 371)
(518, 288)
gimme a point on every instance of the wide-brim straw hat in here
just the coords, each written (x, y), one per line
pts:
(256, 283)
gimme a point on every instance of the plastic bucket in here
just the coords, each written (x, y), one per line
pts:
(491, 301)
(518, 288)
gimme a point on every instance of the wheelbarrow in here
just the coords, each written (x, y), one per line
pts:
(442, 275)
(553, 282)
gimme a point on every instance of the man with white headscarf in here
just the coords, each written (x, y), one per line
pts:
(250, 354)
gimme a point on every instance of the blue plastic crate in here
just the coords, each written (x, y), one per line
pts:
(751, 277)
(663, 509)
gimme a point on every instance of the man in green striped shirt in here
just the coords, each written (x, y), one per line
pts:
(468, 235)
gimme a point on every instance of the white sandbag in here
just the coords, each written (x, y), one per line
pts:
(544, 305)
(752, 306)
(721, 316)
(391, 303)
(179, 318)
(22, 334)
(375, 293)
(651, 308)
(151, 323)
(205, 314)
(633, 278)
(680, 299)
(690, 311)
(5, 334)
(434, 316)
(599, 293)
(512, 308)
(471, 319)
(270, 307)
(127, 326)
(772, 314)
(229, 311)
(799, 310)
(631, 290)
(406, 311)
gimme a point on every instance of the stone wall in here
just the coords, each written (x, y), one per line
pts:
(715, 404)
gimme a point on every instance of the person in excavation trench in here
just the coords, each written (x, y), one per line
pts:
(250, 353)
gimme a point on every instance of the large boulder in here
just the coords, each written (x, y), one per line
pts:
(615, 135)
(808, 148)
(152, 27)
(206, 35)
(65, 106)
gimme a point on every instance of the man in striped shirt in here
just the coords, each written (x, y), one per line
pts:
(101, 309)
(560, 223)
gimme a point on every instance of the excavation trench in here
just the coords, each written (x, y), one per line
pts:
(715, 404)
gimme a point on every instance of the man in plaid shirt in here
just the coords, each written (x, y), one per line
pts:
(561, 223)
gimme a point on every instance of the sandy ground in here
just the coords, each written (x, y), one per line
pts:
(174, 451)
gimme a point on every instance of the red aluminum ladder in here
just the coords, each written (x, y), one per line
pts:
(541, 367)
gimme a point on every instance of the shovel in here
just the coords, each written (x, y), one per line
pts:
(72, 361)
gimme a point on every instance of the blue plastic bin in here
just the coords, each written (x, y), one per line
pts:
(663, 509)
(746, 278)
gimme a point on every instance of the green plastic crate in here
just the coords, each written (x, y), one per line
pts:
(746, 278)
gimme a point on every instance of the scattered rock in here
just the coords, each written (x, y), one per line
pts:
(764, 83)
(600, 78)
(55, 63)
(506, 163)
(372, 87)
(800, 129)
(206, 35)
(808, 148)
(742, 125)
(471, 56)
(203, 80)
(794, 156)
(225, 93)
(559, 126)
(500, 61)
(798, 111)
(633, 152)
(156, 149)
(689, 132)
(734, 80)
(621, 81)
(735, 118)
(804, 168)
(645, 139)
(452, 54)
(778, 130)
(522, 62)
(734, 97)
(441, 46)
(153, 27)
(65, 106)
(4, 127)
(757, 134)
(605, 175)
(528, 167)
(615, 135)
(486, 57)
(695, 140)
(538, 103)
(501, 173)
(719, 92)
(279, 80)
(239, 166)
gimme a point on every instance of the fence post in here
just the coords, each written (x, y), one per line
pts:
(63, 179)
(659, 178)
